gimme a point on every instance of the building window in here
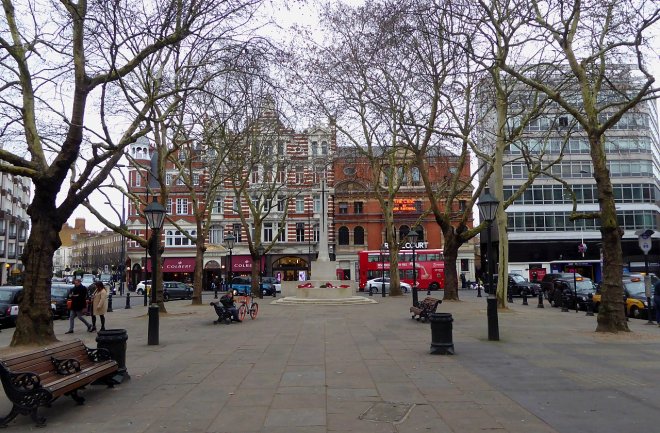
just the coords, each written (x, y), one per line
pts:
(343, 236)
(176, 238)
(168, 178)
(357, 207)
(281, 234)
(137, 179)
(179, 180)
(300, 205)
(343, 207)
(215, 235)
(461, 205)
(281, 203)
(238, 233)
(217, 206)
(358, 236)
(169, 206)
(255, 175)
(317, 232)
(317, 203)
(236, 205)
(300, 232)
(401, 175)
(182, 206)
(414, 174)
(195, 178)
(418, 205)
(315, 148)
(324, 148)
(268, 232)
(280, 148)
(281, 175)
(300, 175)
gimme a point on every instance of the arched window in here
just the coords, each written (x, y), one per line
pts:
(343, 237)
(420, 233)
(358, 236)
(403, 232)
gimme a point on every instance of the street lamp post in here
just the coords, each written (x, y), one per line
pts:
(230, 241)
(155, 214)
(260, 252)
(488, 209)
(412, 237)
(383, 251)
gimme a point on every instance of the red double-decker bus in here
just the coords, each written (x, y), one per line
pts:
(430, 265)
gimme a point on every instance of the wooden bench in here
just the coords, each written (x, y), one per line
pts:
(37, 378)
(424, 308)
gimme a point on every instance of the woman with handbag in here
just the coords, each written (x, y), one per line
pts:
(99, 304)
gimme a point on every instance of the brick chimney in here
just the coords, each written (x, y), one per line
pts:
(80, 224)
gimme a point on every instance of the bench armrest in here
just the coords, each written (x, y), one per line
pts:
(98, 355)
(25, 381)
(66, 366)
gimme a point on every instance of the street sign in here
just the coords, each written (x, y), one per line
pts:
(644, 238)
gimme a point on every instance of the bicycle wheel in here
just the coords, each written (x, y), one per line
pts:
(254, 310)
(242, 310)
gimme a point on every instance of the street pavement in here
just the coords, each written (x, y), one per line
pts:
(367, 368)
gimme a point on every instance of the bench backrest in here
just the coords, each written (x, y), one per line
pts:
(430, 304)
(40, 361)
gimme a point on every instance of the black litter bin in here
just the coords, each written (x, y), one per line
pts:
(114, 340)
(441, 334)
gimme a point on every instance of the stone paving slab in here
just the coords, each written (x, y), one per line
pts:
(311, 368)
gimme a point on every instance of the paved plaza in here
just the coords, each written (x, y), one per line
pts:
(367, 368)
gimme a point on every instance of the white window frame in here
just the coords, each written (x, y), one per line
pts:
(182, 206)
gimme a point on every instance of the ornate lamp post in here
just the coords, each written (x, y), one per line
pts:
(230, 241)
(412, 237)
(488, 209)
(155, 214)
(383, 251)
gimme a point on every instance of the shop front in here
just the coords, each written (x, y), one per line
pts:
(177, 269)
(290, 268)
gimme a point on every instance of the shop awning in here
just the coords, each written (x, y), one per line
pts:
(176, 264)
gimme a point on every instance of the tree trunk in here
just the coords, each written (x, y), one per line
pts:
(450, 253)
(34, 324)
(256, 277)
(198, 276)
(611, 317)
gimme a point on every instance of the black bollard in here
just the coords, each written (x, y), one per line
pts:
(110, 303)
(564, 303)
(590, 304)
(441, 334)
(493, 322)
(524, 296)
(540, 305)
(216, 293)
(128, 301)
(371, 291)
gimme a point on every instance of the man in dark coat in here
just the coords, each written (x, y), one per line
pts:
(78, 296)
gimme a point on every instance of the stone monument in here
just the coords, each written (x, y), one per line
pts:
(323, 287)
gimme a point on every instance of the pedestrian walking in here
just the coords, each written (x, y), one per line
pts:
(463, 281)
(656, 302)
(78, 297)
(99, 304)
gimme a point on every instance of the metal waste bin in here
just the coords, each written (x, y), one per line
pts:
(441, 334)
(114, 340)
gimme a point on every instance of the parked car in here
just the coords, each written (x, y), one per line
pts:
(10, 297)
(517, 285)
(273, 282)
(87, 280)
(59, 293)
(375, 285)
(243, 286)
(176, 289)
(635, 291)
(142, 286)
(576, 290)
(547, 283)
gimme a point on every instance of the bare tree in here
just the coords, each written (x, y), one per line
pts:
(58, 66)
(589, 59)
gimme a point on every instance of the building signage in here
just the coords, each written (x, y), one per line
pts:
(404, 205)
(176, 264)
(408, 245)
